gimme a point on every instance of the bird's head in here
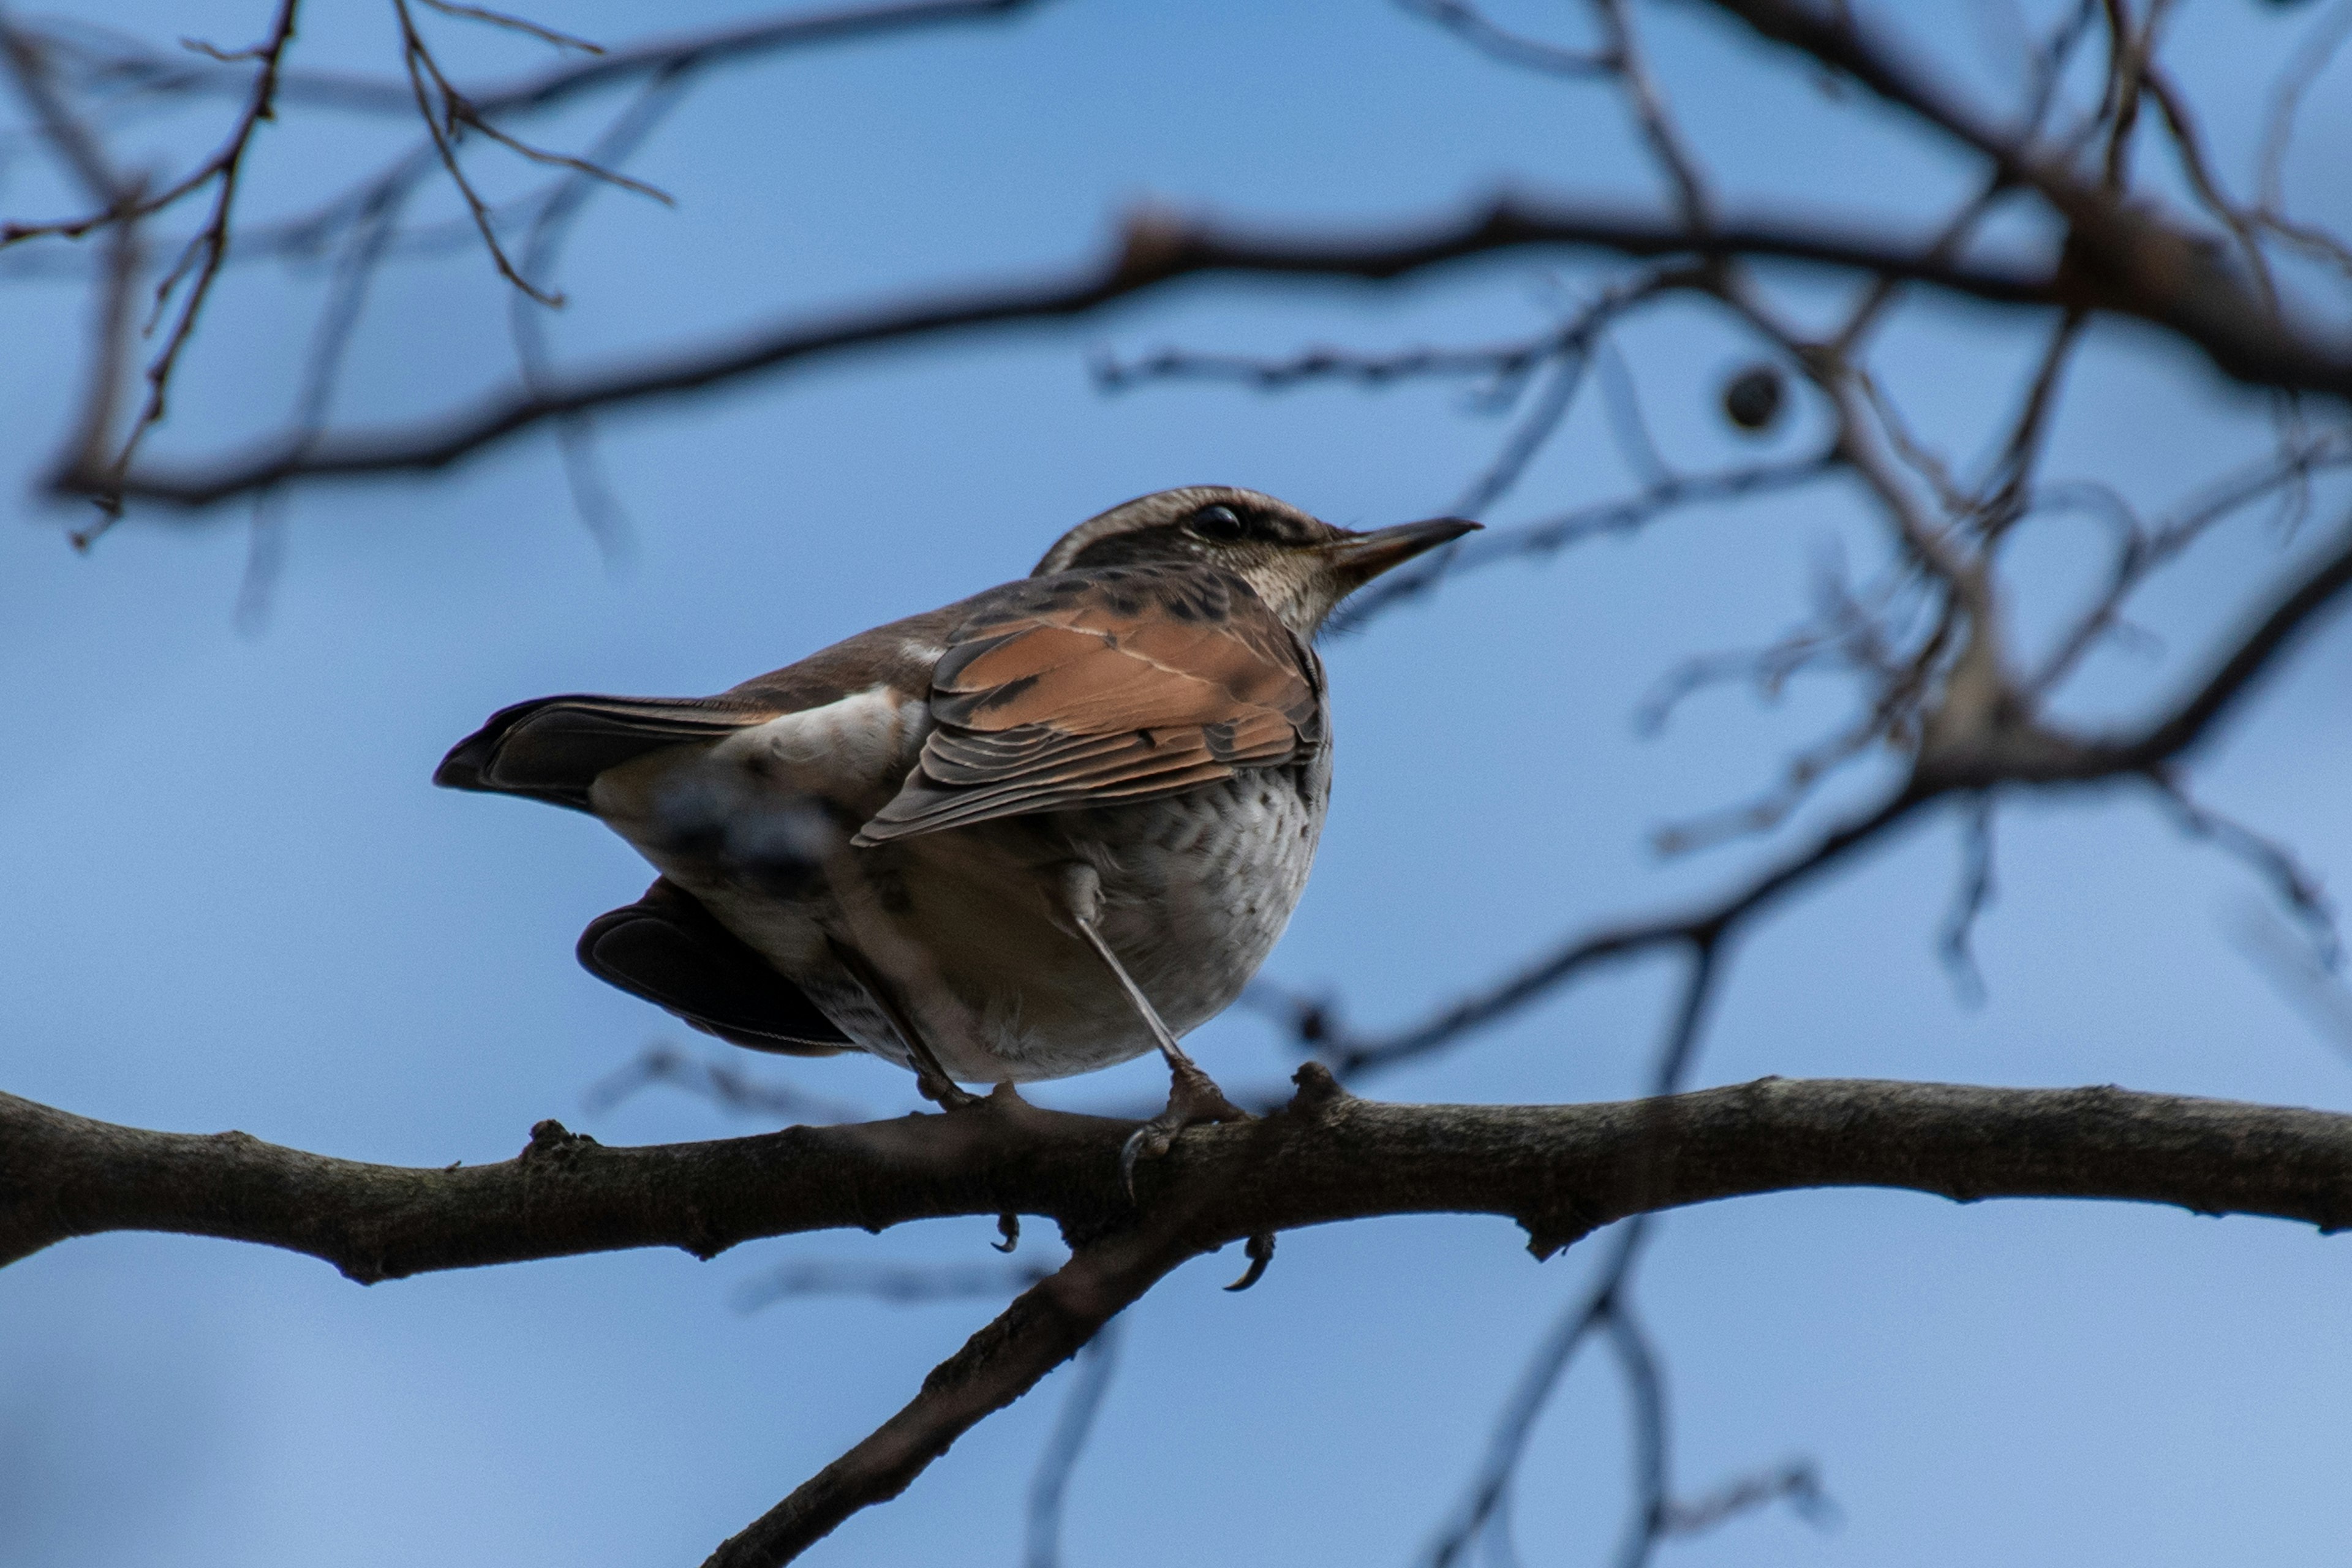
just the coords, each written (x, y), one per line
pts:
(1300, 565)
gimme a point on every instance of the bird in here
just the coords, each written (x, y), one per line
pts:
(1039, 831)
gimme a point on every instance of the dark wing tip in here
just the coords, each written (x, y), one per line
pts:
(669, 950)
(553, 748)
(462, 768)
(470, 761)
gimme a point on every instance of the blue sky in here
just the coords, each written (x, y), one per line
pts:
(238, 902)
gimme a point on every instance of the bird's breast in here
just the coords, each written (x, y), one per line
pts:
(1197, 887)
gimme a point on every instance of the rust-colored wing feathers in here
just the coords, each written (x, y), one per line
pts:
(1092, 688)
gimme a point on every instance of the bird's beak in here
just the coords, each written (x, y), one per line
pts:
(1361, 557)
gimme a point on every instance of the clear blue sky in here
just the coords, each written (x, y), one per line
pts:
(236, 901)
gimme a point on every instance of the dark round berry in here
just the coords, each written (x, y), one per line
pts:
(1752, 399)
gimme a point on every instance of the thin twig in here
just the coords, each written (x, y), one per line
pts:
(200, 263)
(2298, 890)
(1474, 27)
(1968, 900)
(513, 24)
(719, 1081)
(441, 119)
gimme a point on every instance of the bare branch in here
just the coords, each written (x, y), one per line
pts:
(1674, 159)
(1044, 1327)
(1157, 251)
(1550, 535)
(1637, 1363)
(1489, 1490)
(1474, 27)
(899, 1283)
(1560, 1170)
(1968, 901)
(1797, 1482)
(1349, 1054)
(1049, 1488)
(441, 119)
(2311, 58)
(2298, 890)
(545, 35)
(2143, 550)
(130, 64)
(202, 260)
(2119, 250)
(723, 1083)
(2316, 990)
(199, 262)
(2248, 656)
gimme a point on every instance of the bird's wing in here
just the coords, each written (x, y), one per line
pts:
(1101, 688)
(669, 950)
(553, 748)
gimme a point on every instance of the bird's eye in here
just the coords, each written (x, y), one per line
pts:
(1220, 525)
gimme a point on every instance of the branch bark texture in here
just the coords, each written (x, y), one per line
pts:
(1560, 1170)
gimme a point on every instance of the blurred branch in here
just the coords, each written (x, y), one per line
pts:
(907, 1284)
(1489, 1490)
(121, 64)
(1045, 1326)
(2308, 983)
(2298, 889)
(2001, 746)
(1156, 250)
(1797, 1482)
(1049, 1488)
(99, 474)
(1664, 493)
(721, 1081)
(1474, 27)
(900, 1284)
(1701, 930)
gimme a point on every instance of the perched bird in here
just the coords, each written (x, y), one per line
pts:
(1034, 833)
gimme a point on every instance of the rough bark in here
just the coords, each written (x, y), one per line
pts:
(1559, 1170)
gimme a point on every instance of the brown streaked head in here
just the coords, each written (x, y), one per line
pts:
(1300, 565)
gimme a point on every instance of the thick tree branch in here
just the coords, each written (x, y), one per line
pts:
(1558, 1170)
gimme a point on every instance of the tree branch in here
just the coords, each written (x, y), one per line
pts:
(1558, 1170)
(130, 64)
(1156, 250)
(1045, 1326)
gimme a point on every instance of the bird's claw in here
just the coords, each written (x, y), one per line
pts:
(1193, 1097)
(1260, 1252)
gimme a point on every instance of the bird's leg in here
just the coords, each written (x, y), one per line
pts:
(930, 1077)
(1193, 1096)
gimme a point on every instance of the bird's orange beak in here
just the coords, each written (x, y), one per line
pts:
(1361, 557)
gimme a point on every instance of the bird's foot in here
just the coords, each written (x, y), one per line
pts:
(1193, 1097)
(945, 1092)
